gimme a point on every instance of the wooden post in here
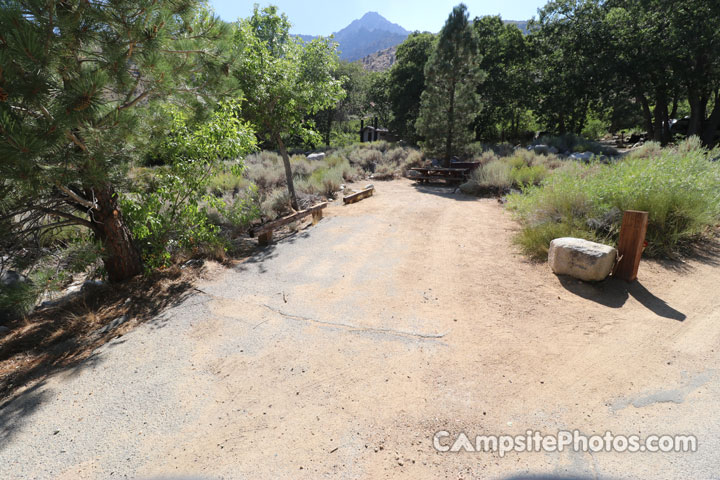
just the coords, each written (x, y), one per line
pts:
(631, 244)
(316, 216)
(265, 238)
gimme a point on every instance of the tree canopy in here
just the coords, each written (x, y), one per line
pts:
(75, 78)
(284, 81)
(450, 103)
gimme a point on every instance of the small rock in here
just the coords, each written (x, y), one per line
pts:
(91, 284)
(11, 278)
(195, 262)
(4, 330)
(541, 149)
(112, 325)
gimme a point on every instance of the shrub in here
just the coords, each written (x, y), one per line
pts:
(396, 155)
(242, 209)
(679, 188)
(384, 172)
(266, 177)
(526, 175)
(226, 181)
(327, 180)
(414, 159)
(486, 157)
(276, 204)
(595, 129)
(365, 158)
(491, 178)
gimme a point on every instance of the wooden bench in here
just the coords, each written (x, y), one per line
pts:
(264, 232)
(357, 196)
(440, 173)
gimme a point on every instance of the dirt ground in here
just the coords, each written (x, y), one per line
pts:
(340, 350)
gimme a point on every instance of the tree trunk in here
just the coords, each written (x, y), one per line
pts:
(697, 113)
(121, 257)
(660, 114)
(710, 131)
(647, 115)
(288, 172)
(451, 124)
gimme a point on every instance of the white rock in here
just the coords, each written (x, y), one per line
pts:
(541, 149)
(584, 156)
(316, 156)
(582, 259)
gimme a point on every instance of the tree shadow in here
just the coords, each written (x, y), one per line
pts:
(704, 252)
(259, 254)
(613, 293)
(65, 338)
(445, 191)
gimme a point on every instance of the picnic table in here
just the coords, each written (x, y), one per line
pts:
(458, 172)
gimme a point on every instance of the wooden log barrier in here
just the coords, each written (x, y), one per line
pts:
(265, 232)
(356, 197)
(631, 244)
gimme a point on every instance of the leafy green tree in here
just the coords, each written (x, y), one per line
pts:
(450, 103)
(507, 91)
(378, 97)
(407, 82)
(173, 215)
(75, 78)
(570, 43)
(354, 80)
(285, 81)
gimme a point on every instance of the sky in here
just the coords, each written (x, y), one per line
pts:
(323, 17)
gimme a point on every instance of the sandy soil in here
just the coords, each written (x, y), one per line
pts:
(340, 350)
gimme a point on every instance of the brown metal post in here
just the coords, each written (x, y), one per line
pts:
(631, 244)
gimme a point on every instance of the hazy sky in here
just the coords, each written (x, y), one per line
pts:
(323, 17)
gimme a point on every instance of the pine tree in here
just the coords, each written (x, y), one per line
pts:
(74, 78)
(449, 103)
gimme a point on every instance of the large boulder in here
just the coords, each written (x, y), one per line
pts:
(582, 259)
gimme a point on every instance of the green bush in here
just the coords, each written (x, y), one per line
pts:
(173, 215)
(528, 175)
(327, 180)
(678, 187)
(276, 204)
(242, 209)
(595, 129)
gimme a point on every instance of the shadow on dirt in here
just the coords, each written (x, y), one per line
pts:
(550, 477)
(64, 338)
(445, 191)
(259, 255)
(614, 293)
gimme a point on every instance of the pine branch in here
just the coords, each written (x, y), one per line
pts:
(135, 101)
(185, 52)
(78, 199)
(69, 216)
(76, 141)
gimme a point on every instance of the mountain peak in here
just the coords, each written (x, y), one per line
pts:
(372, 21)
(367, 35)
